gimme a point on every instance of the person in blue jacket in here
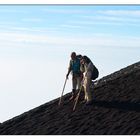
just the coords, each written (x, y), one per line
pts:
(74, 68)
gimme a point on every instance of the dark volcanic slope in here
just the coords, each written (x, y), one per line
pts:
(116, 110)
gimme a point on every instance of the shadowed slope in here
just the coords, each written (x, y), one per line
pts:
(116, 110)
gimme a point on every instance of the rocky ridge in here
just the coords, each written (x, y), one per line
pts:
(116, 111)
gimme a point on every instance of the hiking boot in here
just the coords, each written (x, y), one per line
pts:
(73, 95)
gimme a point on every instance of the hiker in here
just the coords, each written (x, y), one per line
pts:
(87, 67)
(74, 67)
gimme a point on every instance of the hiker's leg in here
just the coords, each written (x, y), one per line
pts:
(85, 92)
(74, 84)
(87, 87)
(79, 84)
(88, 91)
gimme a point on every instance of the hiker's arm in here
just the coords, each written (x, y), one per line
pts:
(82, 68)
(68, 73)
(69, 70)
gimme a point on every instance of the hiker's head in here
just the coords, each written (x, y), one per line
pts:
(85, 59)
(73, 55)
(79, 56)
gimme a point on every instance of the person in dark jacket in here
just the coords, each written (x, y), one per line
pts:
(87, 69)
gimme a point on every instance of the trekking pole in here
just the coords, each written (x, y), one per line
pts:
(62, 92)
(77, 97)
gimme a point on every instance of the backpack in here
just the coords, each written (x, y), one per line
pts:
(95, 73)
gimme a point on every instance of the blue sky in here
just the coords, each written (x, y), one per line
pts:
(36, 42)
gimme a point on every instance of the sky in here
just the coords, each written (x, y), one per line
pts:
(36, 42)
